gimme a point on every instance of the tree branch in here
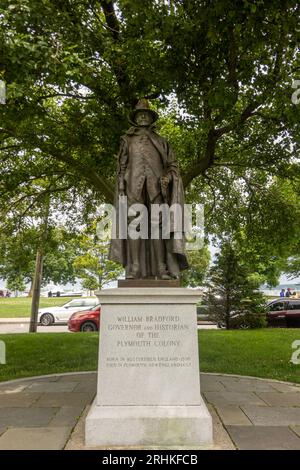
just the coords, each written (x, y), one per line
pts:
(118, 61)
(248, 112)
(111, 18)
(203, 163)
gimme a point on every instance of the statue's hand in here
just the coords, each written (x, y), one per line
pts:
(164, 181)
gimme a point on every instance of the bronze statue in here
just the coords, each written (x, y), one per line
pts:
(148, 174)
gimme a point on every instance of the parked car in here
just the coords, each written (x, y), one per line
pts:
(202, 313)
(49, 315)
(284, 313)
(85, 321)
(60, 293)
(69, 294)
(245, 319)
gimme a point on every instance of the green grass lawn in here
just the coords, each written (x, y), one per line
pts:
(16, 307)
(260, 353)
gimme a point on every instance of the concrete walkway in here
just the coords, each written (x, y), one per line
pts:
(248, 413)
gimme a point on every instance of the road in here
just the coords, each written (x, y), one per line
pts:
(16, 327)
(23, 328)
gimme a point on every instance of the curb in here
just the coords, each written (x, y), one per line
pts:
(202, 373)
(34, 377)
(14, 321)
(251, 377)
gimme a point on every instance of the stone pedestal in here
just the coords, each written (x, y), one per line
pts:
(148, 374)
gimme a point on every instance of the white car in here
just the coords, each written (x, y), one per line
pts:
(49, 315)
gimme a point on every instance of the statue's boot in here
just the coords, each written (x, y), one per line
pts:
(134, 271)
(163, 273)
(165, 277)
(160, 257)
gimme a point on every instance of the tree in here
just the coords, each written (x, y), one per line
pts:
(221, 74)
(74, 70)
(18, 253)
(232, 289)
(92, 266)
(292, 266)
(15, 284)
(198, 265)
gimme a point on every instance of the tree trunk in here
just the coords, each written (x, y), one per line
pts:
(36, 290)
(227, 319)
(31, 288)
(38, 275)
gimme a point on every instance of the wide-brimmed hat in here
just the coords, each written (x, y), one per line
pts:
(143, 105)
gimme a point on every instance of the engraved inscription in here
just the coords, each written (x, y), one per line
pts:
(147, 333)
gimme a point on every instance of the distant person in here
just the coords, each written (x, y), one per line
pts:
(50, 293)
(294, 295)
(288, 292)
(8, 294)
(282, 293)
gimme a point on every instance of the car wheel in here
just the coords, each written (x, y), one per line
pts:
(47, 319)
(88, 326)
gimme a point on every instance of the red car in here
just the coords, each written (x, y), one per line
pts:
(88, 320)
(284, 312)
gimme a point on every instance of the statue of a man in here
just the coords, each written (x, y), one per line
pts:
(148, 174)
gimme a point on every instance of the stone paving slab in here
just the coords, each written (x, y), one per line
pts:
(272, 416)
(78, 377)
(233, 415)
(245, 385)
(12, 389)
(280, 399)
(257, 413)
(221, 438)
(64, 399)
(49, 387)
(210, 384)
(89, 386)
(23, 417)
(45, 438)
(285, 388)
(233, 398)
(18, 399)
(296, 429)
(67, 416)
(264, 438)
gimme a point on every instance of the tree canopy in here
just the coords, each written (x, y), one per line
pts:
(220, 74)
(18, 252)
